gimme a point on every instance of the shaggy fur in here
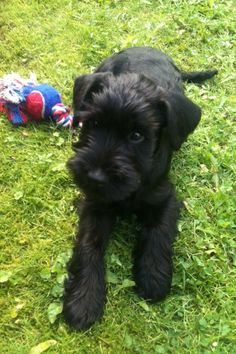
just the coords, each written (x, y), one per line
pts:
(133, 114)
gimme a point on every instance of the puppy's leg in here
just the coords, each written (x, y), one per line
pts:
(85, 288)
(153, 258)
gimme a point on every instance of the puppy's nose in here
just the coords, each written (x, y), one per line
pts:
(97, 175)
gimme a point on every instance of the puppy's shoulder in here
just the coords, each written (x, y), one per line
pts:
(117, 64)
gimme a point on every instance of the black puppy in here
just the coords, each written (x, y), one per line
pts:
(133, 113)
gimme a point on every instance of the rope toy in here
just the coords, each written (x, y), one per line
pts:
(26, 100)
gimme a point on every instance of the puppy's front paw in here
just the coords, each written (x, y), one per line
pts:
(83, 305)
(151, 290)
(152, 284)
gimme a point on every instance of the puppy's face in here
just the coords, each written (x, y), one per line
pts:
(117, 141)
(122, 121)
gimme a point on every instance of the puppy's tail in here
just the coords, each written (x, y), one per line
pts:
(198, 76)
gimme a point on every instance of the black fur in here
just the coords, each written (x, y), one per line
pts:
(134, 114)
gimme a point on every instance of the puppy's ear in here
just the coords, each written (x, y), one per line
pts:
(86, 85)
(84, 88)
(181, 116)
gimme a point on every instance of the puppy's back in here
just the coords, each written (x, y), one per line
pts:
(147, 61)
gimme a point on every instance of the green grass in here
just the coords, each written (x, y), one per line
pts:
(58, 40)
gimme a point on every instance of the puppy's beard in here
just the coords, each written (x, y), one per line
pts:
(122, 179)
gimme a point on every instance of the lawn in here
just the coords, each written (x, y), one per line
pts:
(58, 40)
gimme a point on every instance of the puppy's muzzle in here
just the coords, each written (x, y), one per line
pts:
(97, 176)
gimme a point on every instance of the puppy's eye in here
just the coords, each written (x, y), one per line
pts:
(136, 137)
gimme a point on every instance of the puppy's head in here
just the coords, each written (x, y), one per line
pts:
(125, 122)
